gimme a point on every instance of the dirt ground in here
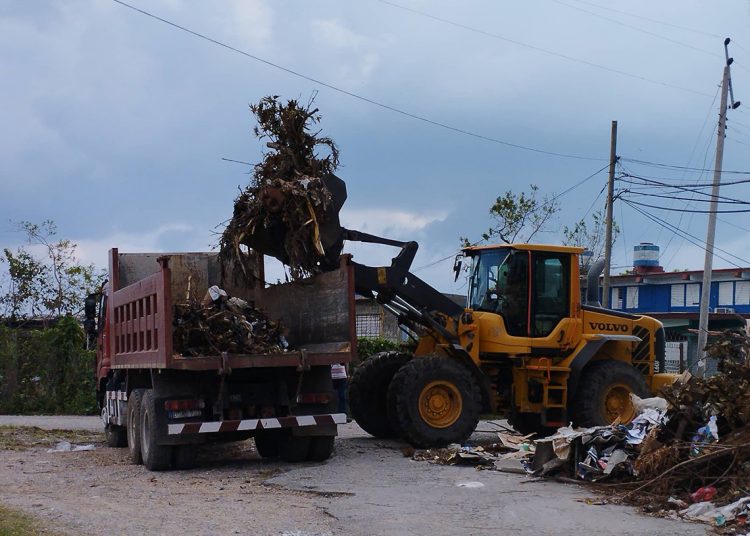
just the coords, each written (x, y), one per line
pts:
(368, 487)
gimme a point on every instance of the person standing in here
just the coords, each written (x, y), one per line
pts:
(338, 374)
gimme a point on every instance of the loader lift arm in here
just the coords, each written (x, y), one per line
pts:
(414, 302)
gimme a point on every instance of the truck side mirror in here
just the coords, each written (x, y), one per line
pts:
(89, 307)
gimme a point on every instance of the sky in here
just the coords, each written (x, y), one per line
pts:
(115, 125)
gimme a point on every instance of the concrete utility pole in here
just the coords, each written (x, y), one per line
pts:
(608, 220)
(726, 86)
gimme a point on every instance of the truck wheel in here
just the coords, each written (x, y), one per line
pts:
(436, 401)
(268, 444)
(134, 426)
(604, 394)
(294, 448)
(116, 436)
(368, 393)
(321, 448)
(184, 456)
(155, 457)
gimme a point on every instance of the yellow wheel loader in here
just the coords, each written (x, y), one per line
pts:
(526, 345)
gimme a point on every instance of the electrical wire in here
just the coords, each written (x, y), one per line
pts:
(356, 95)
(684, 168)
(695, 30)
(689, 210)
(636, 28)
(540, 49)
(687, 236)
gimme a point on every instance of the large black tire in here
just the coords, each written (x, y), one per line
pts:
(294, 449)
(436, 401)
(116, 436)
(184, 456)
(268, 444)
(134, 426)
(368, 390)
(155, 457)
(321, 448)
(604, 387)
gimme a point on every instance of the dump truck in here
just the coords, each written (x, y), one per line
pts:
(525, 345)
(162, 405)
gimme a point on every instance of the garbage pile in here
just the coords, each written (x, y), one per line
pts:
(511, 446)
(283, 208)
(221, 323)
(685, 454)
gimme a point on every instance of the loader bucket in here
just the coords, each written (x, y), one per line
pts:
(270, 239)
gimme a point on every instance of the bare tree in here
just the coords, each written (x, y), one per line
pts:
(591, 236)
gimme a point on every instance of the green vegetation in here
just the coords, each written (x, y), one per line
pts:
(44, 367)
(26, 437)
(367, 346)
(46, 370)
(15, 523)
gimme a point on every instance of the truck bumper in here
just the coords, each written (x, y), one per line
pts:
(255, 425)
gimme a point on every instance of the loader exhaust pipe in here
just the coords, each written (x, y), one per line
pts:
(592, 283)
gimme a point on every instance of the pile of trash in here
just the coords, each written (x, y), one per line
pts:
(282, 210)
(511, 446)
(221, 323)
(685, 454)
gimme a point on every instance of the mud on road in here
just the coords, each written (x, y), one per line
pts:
(368, 487)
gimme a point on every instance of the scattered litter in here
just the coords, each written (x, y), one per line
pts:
(67, 446)
(470, 485)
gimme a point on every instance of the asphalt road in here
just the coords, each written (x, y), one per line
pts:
(367, 488)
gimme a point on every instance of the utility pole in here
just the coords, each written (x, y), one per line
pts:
(608, 220)
(726, 88)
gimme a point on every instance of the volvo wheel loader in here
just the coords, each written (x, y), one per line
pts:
(525, 345)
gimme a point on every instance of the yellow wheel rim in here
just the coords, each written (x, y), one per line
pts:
(617, 403)
(440, 404)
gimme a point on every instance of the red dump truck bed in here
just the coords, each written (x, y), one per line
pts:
(160, 403)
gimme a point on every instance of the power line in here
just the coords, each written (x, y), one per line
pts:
(688, 210)
(695, 30)
(683, 185)
(355, 95)
(576, 185)
(540, 49)
(685, 168)
(684, 235)
(636, 28)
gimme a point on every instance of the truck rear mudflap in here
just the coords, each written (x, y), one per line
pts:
(295, 423)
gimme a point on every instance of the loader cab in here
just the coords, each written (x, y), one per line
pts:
(529, 286)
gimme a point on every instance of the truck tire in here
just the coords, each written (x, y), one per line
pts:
(184, 456)
(604, 393)
(368, 390)
(321, 448)
(436, 401)
(268, 444)
(155, 457)
(134, 426)
(294, 449)
(116, 436)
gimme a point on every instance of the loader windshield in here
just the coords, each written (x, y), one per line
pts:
(499, 284)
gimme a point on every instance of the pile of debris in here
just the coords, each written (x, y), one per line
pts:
(686, 454)
(490, 455)
(282, 210)
(221, 323)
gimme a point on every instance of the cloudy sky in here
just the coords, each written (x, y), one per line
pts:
(115, 124)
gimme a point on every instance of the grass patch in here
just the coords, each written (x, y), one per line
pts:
(15, 523)
(26, 437)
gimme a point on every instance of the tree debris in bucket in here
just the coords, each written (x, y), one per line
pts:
(282, 210)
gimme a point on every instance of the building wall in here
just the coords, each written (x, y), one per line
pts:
(680, 297)
(374, 321)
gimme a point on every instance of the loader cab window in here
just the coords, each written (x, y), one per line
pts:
(499, 284)
(550, 301)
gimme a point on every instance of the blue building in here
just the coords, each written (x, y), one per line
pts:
(674, 298)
